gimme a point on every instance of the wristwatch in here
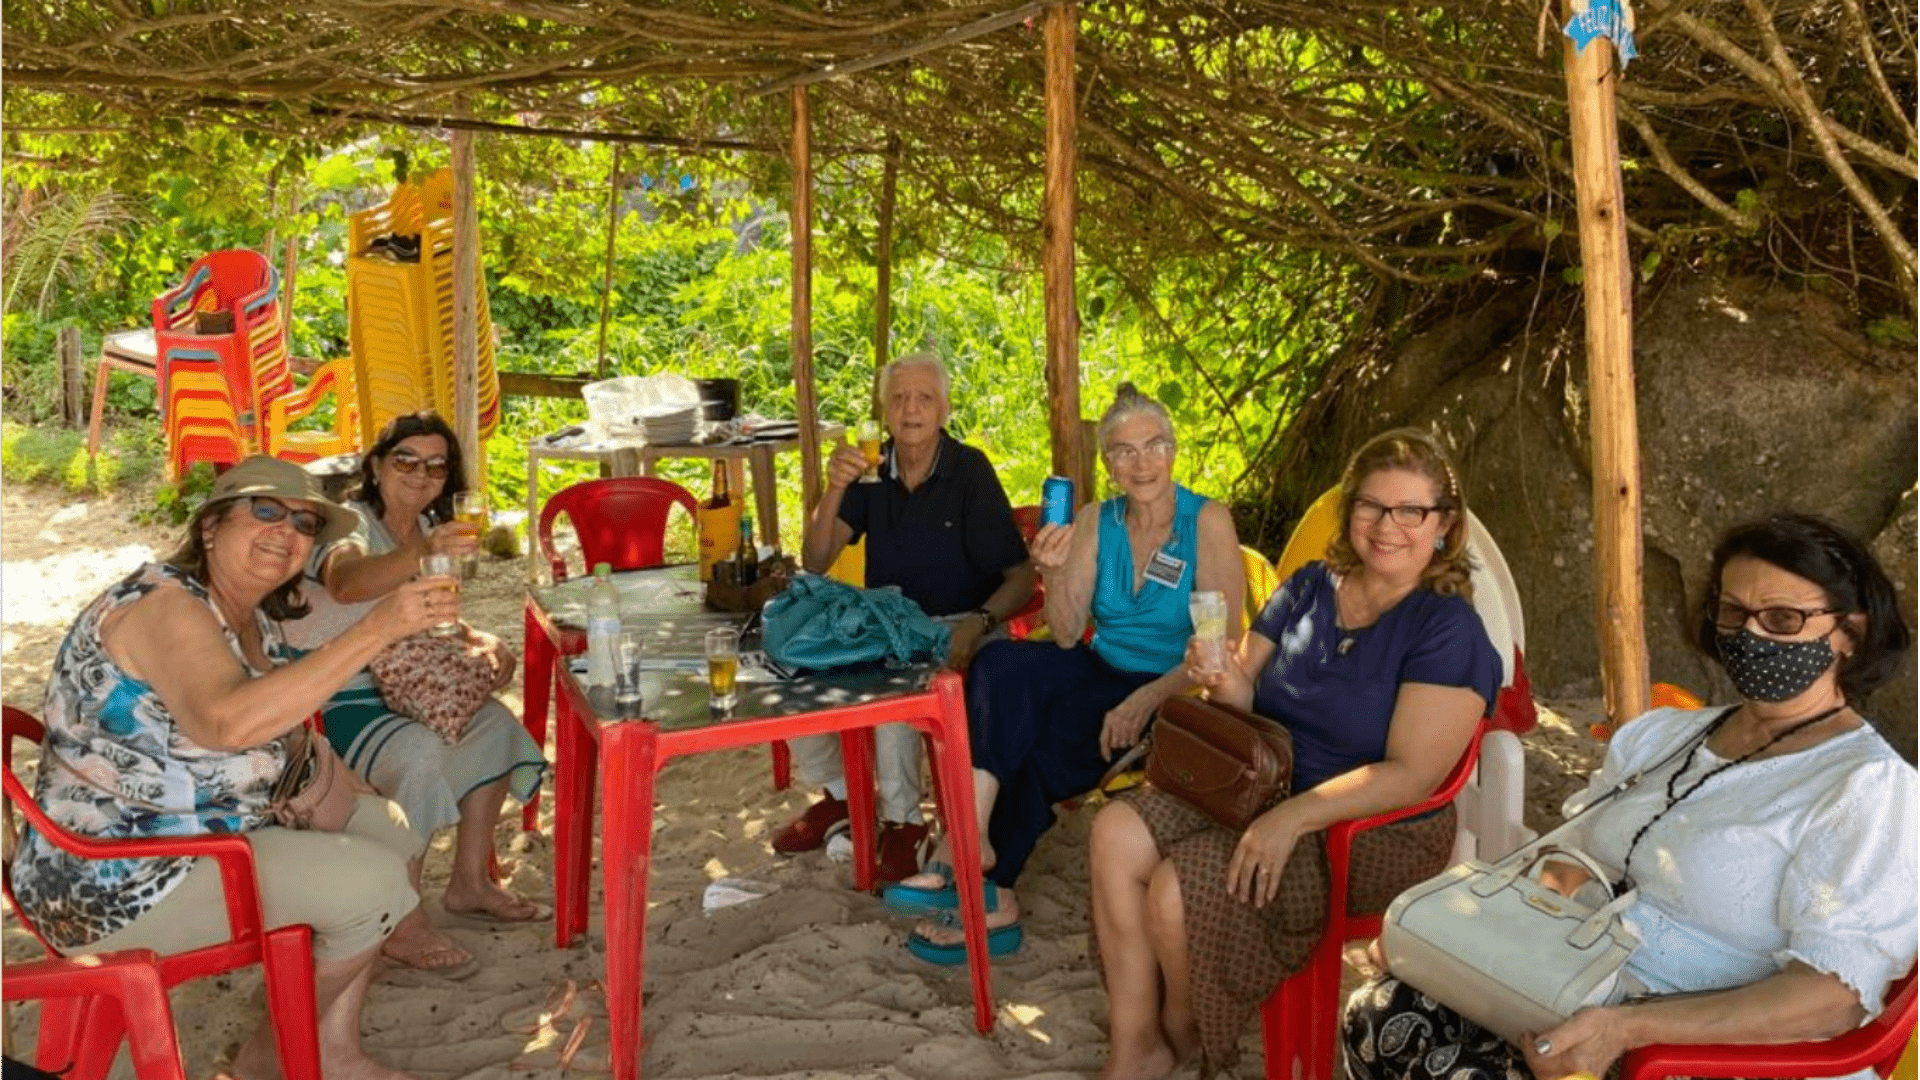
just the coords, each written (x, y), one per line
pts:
(987, 619)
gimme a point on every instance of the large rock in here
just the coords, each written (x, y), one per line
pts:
(1751, 398)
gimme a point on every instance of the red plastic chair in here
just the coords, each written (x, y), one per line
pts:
(620, 521)
(84, 1031)
(1300, 1022)
(125, 986)
(1875, 1045)
(1022, 624)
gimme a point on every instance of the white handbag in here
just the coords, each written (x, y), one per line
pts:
(1496, 945)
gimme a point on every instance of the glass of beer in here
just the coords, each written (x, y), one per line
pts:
(868, 433)
(470, 510)
(439, 564)
(723, 665)
(1208, 610)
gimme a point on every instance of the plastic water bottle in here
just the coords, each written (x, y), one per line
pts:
(603, 634)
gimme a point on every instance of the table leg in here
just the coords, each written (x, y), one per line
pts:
(766, 490)
(577, 772)
(536, 690)
(533, 511)
(953, 769)
(856, 767)
(626, 849)
(100, 405)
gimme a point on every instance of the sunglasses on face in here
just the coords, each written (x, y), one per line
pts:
(1406, 515)
(407, 464)
(1780, 621)
(272, 512)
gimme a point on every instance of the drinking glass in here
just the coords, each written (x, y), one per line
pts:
(868, 434)
(626, 675)
(470, 509)
(1208, 609)
(723, 665)
(439, 564)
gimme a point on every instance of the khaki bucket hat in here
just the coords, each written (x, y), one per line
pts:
(277, 479)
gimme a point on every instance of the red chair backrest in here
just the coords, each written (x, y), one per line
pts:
(621, 521)
(18, 724)
(1027, 518)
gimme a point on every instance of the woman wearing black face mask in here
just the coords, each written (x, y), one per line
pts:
(1773, 842)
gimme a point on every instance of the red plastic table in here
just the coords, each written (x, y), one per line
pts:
(624, 756)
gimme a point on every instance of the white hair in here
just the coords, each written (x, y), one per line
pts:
(925, 361)
(1129, 402)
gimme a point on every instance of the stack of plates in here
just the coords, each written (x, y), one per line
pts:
(668, 425)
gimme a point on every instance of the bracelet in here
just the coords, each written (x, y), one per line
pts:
(987, 620)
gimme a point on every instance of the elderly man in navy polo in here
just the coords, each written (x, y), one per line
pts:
(939, 527)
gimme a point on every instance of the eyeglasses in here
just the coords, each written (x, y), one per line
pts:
(1406, 515)
(407, 464)
(272, 512)
(1784, 621)
(1125, 454)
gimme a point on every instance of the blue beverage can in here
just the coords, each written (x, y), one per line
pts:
(1056, 501)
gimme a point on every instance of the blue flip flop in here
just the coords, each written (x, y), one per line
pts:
(916, 901)
(1001, 941)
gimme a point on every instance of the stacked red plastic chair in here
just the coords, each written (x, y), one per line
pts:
(215, 382)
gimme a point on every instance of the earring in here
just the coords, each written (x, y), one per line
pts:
(1439, 543)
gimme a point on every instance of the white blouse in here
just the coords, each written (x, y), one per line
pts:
(1808, 856)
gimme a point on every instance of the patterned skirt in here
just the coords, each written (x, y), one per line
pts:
(1394, 1032)
(1237, 954)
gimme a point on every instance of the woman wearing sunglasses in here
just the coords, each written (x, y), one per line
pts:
(172, 709)
(1773, 842)
(404, 508)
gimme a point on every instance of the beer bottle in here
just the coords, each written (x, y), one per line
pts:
(721, 498)
(748, 556)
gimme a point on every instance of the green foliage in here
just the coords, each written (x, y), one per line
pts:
(1892, 331)
(51, 455)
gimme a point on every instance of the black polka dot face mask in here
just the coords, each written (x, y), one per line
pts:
(1763, 669)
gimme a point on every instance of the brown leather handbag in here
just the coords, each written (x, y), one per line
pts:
(1225, 762)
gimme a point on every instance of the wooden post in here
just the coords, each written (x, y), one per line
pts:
(73, 382)
(1607, 271)
(800, 218)
(466, 316)
(613, 231)
(1056, 257)
(883, 271)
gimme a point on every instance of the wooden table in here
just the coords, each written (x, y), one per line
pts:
(632, 455)
(623, 758)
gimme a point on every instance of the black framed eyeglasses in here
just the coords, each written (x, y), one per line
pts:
(307, 523)
(408, 464)
(1406, 515)
(1782, 621)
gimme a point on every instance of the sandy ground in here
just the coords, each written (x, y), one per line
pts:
(813, 980)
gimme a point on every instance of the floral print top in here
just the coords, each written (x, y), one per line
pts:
(115, 766)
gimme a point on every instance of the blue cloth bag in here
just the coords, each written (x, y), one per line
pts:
(819, 623)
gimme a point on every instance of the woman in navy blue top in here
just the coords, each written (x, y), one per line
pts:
(1379, 667)
(1044, 719)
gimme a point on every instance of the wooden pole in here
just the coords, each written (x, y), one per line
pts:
(1607, 272)
(1056, 259)
(801, 221)
(466, 316)
(73, 381)
(613, 232)
(883, 271)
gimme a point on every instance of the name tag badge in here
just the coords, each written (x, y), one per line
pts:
(1165, 569)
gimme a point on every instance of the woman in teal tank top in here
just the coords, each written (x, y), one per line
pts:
(1046, 718)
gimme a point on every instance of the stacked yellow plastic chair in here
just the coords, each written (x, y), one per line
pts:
(400, 310)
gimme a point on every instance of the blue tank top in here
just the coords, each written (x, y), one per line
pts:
(1145, 631)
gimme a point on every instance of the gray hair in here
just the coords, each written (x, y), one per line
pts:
(1129, 402)
(924, 360)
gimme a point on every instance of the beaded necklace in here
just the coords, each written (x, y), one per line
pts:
(1626, 864)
